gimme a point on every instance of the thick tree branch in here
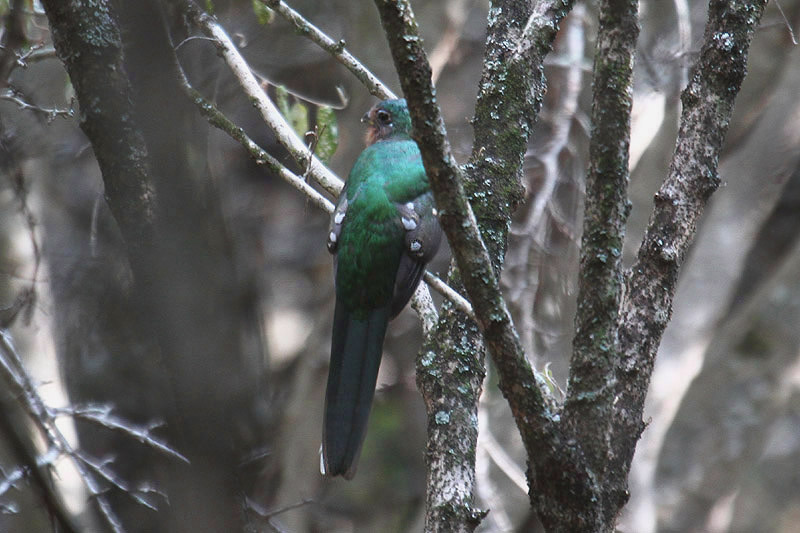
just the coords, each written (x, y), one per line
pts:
(533, 408)
(649, 285)
(88, 42)
(455, 213)
(512, 87)
(590, 398)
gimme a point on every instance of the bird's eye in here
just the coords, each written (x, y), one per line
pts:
(384, 117)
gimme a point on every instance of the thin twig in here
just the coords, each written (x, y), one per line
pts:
(50, 114)
(101, 468)
(263, 513)
(422, 304)
(786, 21)
(259, 99)
(336, 48)
(460, 303)
(34, 406)
(103, 416)
(217, 119)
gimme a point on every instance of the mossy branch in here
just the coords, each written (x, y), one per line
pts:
(455, 213)
(590, 399)
(533, 408)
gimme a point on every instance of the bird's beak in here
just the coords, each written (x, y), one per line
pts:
(365, 118)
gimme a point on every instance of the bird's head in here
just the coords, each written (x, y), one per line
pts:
(388, 118)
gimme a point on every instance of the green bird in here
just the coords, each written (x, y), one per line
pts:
(382, 234)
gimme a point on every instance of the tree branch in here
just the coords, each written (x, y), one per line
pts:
(217, 119)
(337, 49)
(590, 398)
(87, 40)
(510, 96)
(527, 394)
(50, 114)
(649, 285)
(455, 212)
(269, 112)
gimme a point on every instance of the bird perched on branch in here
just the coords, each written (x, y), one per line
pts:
(382, 234)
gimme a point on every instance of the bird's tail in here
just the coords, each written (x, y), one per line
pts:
(355, 357)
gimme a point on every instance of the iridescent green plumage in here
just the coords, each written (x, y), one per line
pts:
(383, 232)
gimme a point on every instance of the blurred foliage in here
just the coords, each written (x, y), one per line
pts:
(327, 133)
(295, 111)
(264, 15)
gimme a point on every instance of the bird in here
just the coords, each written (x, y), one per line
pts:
(383, 231)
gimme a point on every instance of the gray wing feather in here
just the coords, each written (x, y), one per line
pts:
(423, 235)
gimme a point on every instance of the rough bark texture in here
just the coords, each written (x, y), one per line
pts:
(87, 39)
(510, 95)
(528, 396)
(450, 372)
(590, 397)
(578, 464)
(650, 283)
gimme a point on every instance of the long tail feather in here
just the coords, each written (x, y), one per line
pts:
(355, 357)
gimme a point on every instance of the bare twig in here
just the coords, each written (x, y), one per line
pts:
(102, 468)
(10, 479)
(88, 468)
(103, 416)
(269, 112)
(420, 302)
(50, 114)
(37, 52)
(336, 48)
(786, 21)
(259, 155)
(11, 364)
(460, 303)
(264, 513)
